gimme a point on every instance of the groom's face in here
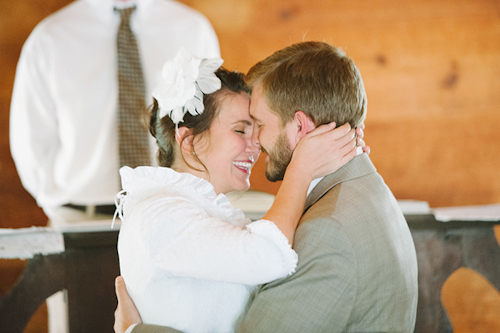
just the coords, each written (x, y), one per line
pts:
(272, 135)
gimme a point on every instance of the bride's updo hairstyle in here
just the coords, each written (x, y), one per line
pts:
(164, 129)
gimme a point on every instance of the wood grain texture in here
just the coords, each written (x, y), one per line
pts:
(431, 75)
(430, 70)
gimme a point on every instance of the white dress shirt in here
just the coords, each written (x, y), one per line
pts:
(63, 126)
(189, 259)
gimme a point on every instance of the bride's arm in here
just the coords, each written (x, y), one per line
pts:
(319, 153)
(183, 239)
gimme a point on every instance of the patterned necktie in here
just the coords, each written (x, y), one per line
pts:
(133, 134)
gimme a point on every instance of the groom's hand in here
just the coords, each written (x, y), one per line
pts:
(126, 313)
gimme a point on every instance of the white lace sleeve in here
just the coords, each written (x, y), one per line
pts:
(185, 241)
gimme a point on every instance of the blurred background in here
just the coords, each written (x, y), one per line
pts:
(430, 68)
(431, 72)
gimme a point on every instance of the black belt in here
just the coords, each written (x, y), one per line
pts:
(99, 209)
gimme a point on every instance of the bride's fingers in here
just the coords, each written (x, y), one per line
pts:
(348, 146)
(340, 132)
(360, 142)
(321, 129)
(330, 130)
(349, 150)
(347, 138)
(360, 133)
(349, 156)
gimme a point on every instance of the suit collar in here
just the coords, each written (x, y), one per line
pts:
(360, 166)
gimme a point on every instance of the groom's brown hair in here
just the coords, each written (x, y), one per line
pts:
(314, 77)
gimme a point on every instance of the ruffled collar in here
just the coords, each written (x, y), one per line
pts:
(144, 181)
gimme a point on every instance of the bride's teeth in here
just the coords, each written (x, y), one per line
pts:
(243, 164)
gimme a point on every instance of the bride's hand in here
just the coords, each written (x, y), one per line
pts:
(325, 150)
(360, 142)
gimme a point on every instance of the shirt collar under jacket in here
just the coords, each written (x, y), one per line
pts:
(313, 184)
(105, 8)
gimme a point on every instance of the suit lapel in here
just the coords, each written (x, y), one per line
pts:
(359, 166)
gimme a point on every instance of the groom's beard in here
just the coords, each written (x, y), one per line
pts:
(279, 157)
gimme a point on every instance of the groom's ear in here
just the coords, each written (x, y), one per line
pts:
(304, 124)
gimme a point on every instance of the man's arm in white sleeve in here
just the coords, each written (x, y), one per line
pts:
(33, 124)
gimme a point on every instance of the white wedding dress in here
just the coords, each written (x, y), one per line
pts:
(189, 259)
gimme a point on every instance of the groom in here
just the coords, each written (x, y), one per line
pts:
(357, 269)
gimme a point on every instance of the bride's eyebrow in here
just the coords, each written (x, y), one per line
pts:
(245, 122)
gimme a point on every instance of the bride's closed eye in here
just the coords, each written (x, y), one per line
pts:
(243, 129)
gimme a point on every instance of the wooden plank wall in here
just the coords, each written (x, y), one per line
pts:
(431, 71)
(430, 68)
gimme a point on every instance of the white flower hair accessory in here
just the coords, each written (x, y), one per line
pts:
(182, 83)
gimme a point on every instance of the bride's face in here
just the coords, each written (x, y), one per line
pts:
(227, 151)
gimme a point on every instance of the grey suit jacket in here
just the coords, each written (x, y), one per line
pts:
(357, 269)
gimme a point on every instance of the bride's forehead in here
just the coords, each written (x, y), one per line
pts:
(235, 110)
